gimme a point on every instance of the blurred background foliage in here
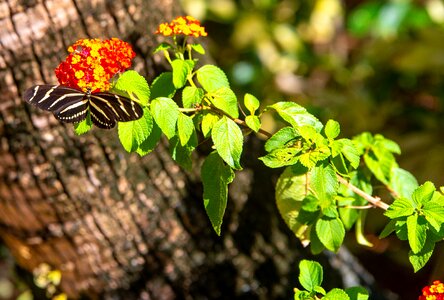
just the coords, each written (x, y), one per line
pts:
(374, 66)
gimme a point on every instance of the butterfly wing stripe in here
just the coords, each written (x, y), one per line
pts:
(99, 110)
(105, 99)
(100, 122)
(125, 108)
(73, 106)
(72, 96)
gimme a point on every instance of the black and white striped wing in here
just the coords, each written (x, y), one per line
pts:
(106, 109)
(67, 104)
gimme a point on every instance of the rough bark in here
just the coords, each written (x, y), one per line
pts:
(115, 224)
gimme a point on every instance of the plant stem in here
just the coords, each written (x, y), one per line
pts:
(375, 201)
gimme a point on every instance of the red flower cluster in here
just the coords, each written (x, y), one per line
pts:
(433, 292)
(93, 62)
(188, 26)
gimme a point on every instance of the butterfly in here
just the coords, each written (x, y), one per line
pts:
(71, 105)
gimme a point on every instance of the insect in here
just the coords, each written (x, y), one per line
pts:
(71, 105)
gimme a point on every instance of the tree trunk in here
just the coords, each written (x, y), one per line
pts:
(117, 225)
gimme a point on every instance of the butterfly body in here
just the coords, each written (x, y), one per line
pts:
(70, 105)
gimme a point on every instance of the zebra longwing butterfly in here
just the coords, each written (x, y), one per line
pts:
(71, 105)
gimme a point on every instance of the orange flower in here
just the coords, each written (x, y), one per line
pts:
(187, 25)
(433, 292)
(93, 62)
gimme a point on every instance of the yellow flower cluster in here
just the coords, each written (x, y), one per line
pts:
(187, 25)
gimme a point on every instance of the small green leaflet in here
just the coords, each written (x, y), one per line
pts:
(402, 182)
(150, 143)
(208, 121)
(357, 293)
(185, 128)
(332, 129)
(296, 115)
(417, 232)
(401, 207)
(311, 274)
(162, 86)
(336, 294)
(418, 260)
(281, 157)
(162, 47)
(212, 78)
(83, 126)
(228, 140)
(289, 192)
(198, 48)
(324, 183)
(331, 233)
(192, 96)
(251, 103)
(181, 70)
(182, 153)
(253, 122)
(215, 178)
(132, 82)
(225, 100)
(165, 112)
(134, 133)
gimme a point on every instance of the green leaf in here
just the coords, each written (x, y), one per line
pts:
(387, 144)
(215, 178)
(162, 86)
(289, 192)
(401, 207)
(182, 153)
(185, 128)
(434, 212)
(253, 122)
(165, 112)
(418, 260)
(379, 166)
(402, 182)
(228, 140)
(192, 96)
(83, 126)
(388, 229)
(162, 47)
(298, 295)
(134, 133)
(251, 103)
(225, 100)
(212, 78)
(132, 82)
(296, 115)
(316, 246)
(417, 232)
(281, 157)
(357, 293)
(424, 193)
(208, 121)
(324, 183)
(310, 274)
(350, 152)
(150, 143)
(281, 139)
(331, 233)
(198, 48)
(181, 70)
(332, 129)
(311, 158)
(336, 294)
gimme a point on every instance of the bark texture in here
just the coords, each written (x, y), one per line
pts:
(119, 226)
